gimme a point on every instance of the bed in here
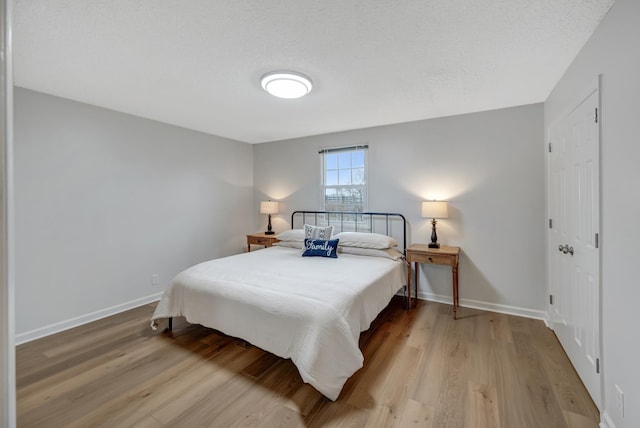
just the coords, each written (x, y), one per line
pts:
(309, 309)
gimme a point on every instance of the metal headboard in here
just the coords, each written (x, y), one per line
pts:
(354, 221)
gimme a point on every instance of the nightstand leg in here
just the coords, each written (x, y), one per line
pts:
(454, 271)
(408, 301)
(415, 265)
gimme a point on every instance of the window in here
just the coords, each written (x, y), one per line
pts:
(344, 178)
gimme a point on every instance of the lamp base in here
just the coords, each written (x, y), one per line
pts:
(434, 235)
(269, 229)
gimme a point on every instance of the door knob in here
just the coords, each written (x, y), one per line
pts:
(565, 249)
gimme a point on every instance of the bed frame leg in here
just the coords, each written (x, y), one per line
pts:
(170, 327)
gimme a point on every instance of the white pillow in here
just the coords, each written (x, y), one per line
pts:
(317, 232)
(296, 235)
(290, 244)
(366, 240)
(387, 253)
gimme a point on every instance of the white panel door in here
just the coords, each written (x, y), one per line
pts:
(574, 264)
(558, 204)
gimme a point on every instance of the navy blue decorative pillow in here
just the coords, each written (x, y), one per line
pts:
(320, 248)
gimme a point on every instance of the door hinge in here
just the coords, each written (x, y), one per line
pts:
(550, 223)
(597, 243)
(596, 115)
(549, 147)
(598, 365)
(551, 299)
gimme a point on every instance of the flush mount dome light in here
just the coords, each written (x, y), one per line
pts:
(286, 84)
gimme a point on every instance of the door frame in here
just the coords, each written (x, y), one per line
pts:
(595, 85)
(7, 327)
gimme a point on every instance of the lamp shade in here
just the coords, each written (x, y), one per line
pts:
(434, 209)
(268, 207)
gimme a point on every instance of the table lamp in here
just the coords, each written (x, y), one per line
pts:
(269, 207)
(434, 210)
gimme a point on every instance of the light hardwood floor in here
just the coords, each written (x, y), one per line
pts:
(422, 369)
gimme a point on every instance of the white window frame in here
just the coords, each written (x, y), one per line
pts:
(341, 188)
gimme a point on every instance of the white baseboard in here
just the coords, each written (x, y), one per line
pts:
(487, 306)
(84, 319)
(605, 421)
(103, 313)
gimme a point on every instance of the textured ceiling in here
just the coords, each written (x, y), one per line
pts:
(197, 63)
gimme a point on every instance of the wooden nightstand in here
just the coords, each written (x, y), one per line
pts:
(421, 253)
(261, 239)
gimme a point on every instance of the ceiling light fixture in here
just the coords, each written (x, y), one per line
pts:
(286, 84)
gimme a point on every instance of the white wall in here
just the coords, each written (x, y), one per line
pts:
(489, 166)
(104, 200)
(613, 52)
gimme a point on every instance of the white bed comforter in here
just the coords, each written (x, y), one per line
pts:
(309, 309)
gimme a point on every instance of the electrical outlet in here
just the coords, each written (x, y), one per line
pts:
(619, 400)
(155, 279)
